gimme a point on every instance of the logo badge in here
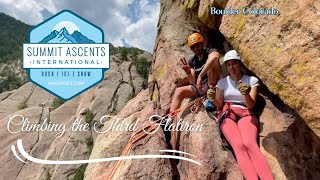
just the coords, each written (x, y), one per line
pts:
(192, 40)
(66, 55)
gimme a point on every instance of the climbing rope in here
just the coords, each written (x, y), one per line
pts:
(149, 127)
(197, 105)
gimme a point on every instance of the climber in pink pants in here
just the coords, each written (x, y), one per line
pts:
(242, 136)
(235, 95)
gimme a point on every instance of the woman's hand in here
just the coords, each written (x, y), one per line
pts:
(249, 93)
(244, 88)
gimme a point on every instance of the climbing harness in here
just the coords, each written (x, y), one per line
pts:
(227, 112)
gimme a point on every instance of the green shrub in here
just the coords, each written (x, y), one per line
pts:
(113, 50)
(9, 81)
(124, 54)
(89, 116)
(131, 83)
(89, 142)
(79, 174)
(56, 103)
(48, 175)
(23, 105)
(143, 67)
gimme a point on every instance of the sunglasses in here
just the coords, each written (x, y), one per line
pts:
(193, 47)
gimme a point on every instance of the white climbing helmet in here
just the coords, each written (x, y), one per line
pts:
(231, 55)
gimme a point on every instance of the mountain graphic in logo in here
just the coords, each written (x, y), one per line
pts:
(63, 36)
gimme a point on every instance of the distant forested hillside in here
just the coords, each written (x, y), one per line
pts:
(13, 34)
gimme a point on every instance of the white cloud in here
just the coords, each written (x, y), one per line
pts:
(27, 11)
(111, 16)
(142, 34)
(49, 5)
(124, 3)
(114, 26)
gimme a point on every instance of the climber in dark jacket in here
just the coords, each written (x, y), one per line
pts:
(203, 70)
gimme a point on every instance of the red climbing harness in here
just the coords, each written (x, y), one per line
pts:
(227, 113)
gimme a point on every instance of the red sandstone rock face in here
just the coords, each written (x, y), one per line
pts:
(111, 144)
(216, 162)
(283, 50)
(288, 143)
(290, 147)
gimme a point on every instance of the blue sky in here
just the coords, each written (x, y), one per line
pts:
(130, 22)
